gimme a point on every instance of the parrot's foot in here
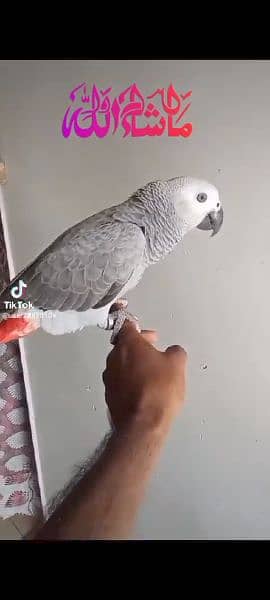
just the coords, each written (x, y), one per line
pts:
(116, 320)
(120, 303)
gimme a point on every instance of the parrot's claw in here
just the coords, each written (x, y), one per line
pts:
(116, 320)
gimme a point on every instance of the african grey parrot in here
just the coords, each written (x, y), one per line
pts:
(89, 267)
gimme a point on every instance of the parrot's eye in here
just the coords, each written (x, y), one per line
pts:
(202, 197)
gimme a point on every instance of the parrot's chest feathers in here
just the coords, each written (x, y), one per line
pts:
(158, 221)
(160, 242)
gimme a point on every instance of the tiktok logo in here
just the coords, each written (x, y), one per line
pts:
(17, 290)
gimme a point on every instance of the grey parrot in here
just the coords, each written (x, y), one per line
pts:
(88, 269)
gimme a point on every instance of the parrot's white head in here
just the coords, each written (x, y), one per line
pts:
(198, 204)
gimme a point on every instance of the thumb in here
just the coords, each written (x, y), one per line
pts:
(127, 331)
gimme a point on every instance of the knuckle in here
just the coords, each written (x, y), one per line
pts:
(109, 358)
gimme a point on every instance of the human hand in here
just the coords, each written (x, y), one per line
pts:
(142, 384)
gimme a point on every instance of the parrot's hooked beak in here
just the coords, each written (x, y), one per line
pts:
(212, 221)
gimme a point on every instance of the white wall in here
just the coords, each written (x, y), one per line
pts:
(210, 295)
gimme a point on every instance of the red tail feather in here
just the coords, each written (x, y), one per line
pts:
(14, 328)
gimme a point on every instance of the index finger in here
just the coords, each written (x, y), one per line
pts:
(127, 331)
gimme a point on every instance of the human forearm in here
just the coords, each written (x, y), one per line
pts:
(144, 390)
(105, 503)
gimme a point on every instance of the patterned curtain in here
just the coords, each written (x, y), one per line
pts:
(19, 490)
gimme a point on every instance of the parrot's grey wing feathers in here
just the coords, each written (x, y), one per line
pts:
(85, 268)
(112, 293)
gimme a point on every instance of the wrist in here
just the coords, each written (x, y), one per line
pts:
(155, 421)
